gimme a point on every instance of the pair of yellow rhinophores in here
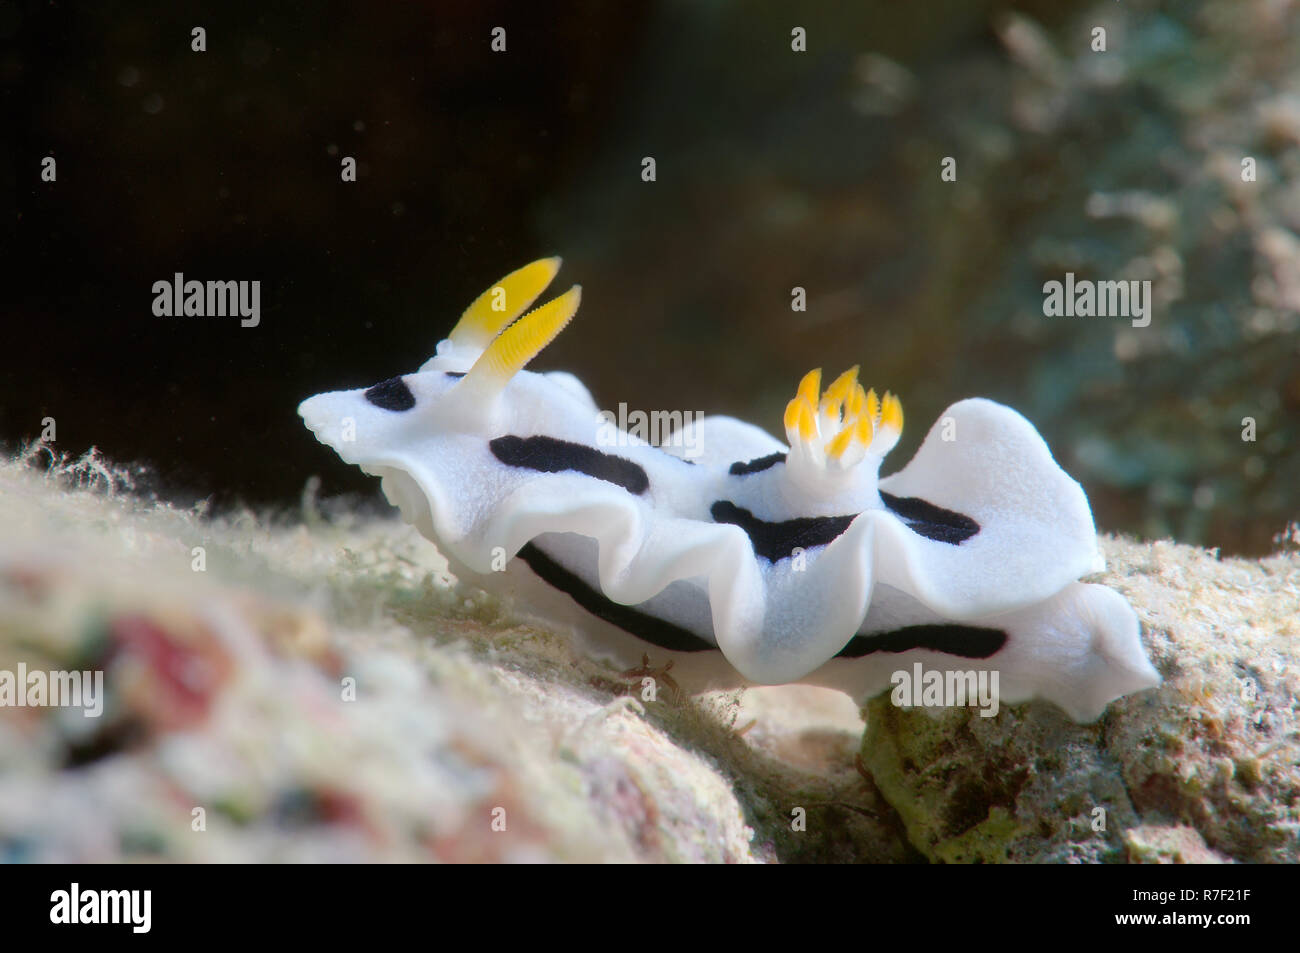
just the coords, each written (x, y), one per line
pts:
(507, 351)
(840, 425)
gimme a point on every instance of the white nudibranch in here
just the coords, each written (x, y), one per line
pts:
(794, 563)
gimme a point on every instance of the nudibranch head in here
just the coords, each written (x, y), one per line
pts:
(459, 389)
(833, 432)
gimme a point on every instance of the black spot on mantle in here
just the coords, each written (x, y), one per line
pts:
(551, 455)
(777, 541)
(757, 465)
(392, 394)
(966, 641)
(930, 521)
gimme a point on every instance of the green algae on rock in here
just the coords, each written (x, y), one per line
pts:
(1215, 749)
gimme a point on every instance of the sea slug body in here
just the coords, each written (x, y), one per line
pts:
(795, 560)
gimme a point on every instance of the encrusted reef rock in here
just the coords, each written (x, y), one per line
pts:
(318, 688)
(1212, 757)
(1169, 845)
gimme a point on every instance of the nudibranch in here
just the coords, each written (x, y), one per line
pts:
(794, 563)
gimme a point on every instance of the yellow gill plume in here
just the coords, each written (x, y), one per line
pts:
(800, 418)
(835, 429)
(889, 424)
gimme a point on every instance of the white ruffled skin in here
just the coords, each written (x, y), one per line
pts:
(1076, 645)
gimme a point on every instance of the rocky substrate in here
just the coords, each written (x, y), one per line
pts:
(319, 688)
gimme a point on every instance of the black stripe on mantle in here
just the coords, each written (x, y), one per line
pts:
(965, 641)
(552, 455)
(920, 516)
(644, 626)
(777, 541)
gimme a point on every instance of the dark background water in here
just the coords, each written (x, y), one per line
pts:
(775, 169)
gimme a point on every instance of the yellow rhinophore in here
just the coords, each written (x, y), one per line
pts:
(521, 342)
(503, 302)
